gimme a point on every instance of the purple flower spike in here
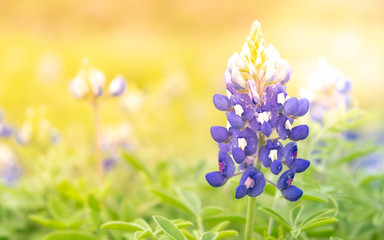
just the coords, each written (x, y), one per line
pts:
(220, 134)
(215, 179)
(301, 165)
(235, 121)
(299, 133)
(303, 107)
(286, 179)
(292, 193)
(290, 153)
(252, 182)
(238, 155)
(291, 106)
(221, 102)
(258, 105)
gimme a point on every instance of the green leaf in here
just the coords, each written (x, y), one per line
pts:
(227, 233)
(318, 223)
(275, 215)
(295, 213)
(122, 226)
(191, 200)
(169, 228)
(143, 224)
(72, 235)
(188, 235)
(221, 226)
(67, 190)
(315, 196)
(142, 234)
(270, 189)
(378, 219)
(181, 223)
(48, 222)
(94, 203)
(325, 232)
(317, 215)
(56, 208)
(135, 162)
(210, 211)
(166, 197)
(209, 236)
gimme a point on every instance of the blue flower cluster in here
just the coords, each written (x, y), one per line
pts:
(257, 104)
(327, 90)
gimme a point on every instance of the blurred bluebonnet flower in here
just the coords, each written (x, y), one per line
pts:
(90, 83)
(257, 104)
(37, 129)
(327, 90)
(10, 170)
(113, 140)
(5, 129)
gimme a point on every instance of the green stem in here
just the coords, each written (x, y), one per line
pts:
(96, 135)
(250, 218)
(270, 224)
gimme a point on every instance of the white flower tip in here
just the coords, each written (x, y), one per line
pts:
(117, 86)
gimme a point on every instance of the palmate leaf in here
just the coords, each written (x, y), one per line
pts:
(295, 213)
(142, 234)
(318, 223)
(169, 228)
(122, 226)
(317, 215)
(191, 201)
(276, 216)
(181, 223)
(71, 234)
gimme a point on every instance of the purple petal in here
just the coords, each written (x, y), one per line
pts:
(299, 133)
(266, 129)
(301, 165)
(241, 191)
(215, 179)
(264, 156)
(235, 121)
(222, 102)
(220, 134)
(292, 193)
(290, 153)
(238, 155)
(229, 167)
(303, 107)
(291, 106)
(286, 178)
(276, 167)
(259, 185)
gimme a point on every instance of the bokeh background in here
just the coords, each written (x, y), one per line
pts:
(173, 54)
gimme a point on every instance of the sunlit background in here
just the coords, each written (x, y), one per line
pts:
(173, 54)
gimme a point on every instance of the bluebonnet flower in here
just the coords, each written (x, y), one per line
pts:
(5, 129)
(90, 83)
(259, 115)
(10, 170)
(37, 129)
(327, 90)
(113, 140)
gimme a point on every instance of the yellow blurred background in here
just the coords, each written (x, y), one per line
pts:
(173, 54)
